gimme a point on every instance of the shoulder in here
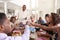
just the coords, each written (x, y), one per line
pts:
(3, 35)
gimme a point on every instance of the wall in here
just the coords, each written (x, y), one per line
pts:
(46, 6)
(58, 4)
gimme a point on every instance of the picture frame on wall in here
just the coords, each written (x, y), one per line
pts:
(11, 12)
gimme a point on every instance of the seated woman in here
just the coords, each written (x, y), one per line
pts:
(12, 21)
(54, 20)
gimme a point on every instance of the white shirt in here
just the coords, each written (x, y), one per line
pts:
(24, 14)
(25, 36)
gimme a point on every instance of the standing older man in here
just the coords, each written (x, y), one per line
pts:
(24, 12)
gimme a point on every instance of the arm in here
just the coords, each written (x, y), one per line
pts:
(43, 27)
(26, 34)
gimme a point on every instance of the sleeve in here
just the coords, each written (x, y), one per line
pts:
(26, 34)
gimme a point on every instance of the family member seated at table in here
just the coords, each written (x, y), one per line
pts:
(5, 28)
(40, 21)
(54, 24)
(49, 24)
(12, 21)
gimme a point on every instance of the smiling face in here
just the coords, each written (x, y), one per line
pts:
(4, 24)
(48, 18)
(13, 19)
(7, 26)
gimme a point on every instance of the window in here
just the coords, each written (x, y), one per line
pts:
(34, 4)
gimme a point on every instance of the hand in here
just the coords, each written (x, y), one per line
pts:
(32, 23)
(16, 33)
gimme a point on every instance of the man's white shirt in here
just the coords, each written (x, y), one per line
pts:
(24, 14)
(25, 36)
